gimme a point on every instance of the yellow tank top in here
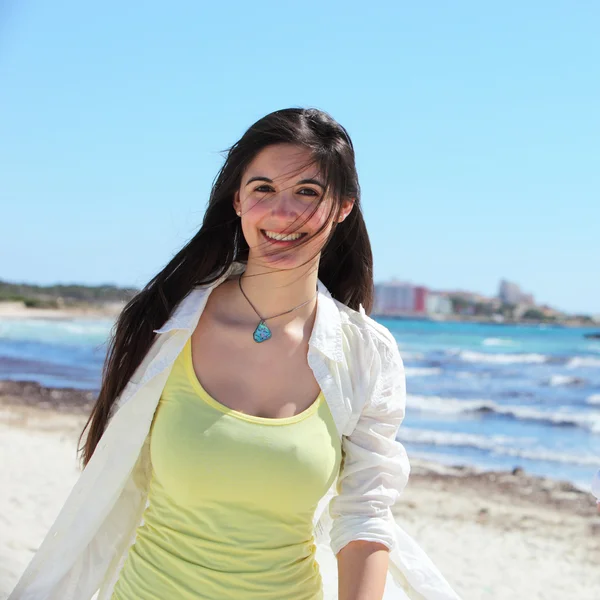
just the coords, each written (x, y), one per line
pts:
(231, 500)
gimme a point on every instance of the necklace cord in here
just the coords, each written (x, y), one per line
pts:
(280, 314)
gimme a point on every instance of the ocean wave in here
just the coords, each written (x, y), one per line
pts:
(422, 371)
(502, 359)
(499, 342)
(583, 361)
(82, 328)
(565, 380)
(56, 331)
(446, 406)
(454, 406)
(406, 355)
(496, 444)
(468, 375)
(453, 438)
(593, 399)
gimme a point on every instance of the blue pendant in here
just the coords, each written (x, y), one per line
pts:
(262, 333)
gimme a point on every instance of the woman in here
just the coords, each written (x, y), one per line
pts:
(244, 389)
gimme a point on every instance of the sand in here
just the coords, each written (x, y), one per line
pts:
(493, 535)
(18, 310)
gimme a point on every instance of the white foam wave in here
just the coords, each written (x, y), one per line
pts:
(564, 380)
(593, 399)
(454, 406)
(86, 328)
(57, 331)
(447, 406)
(452, 438)
(502, 359)
(584, 361)
(498, 342)
(495, 444)
(422, 371)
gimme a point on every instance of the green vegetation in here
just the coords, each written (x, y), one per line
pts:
(459, 305)
(470, 308)
(535, 314)
(485, 309)
(55, 296)
(584, 318)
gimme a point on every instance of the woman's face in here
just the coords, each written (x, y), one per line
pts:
(277, 195)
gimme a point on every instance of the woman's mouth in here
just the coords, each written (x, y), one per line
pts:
(281, 239)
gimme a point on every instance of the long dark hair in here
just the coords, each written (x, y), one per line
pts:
(345, 267)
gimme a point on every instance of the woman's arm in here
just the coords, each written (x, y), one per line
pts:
(596, 489)
(374, 472)
(362, 571)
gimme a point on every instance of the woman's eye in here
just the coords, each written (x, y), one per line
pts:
(264, 188)
(308, 192)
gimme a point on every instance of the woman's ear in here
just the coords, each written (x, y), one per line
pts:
(347, 206)
(236, 203)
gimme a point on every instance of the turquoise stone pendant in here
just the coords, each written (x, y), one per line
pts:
(262, 333)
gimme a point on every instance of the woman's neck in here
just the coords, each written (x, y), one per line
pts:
(274, 291)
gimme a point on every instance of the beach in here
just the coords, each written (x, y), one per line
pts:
(18, 310)
(494, 535)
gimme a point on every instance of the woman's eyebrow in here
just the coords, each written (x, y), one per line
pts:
(313, 181)
(258, 178)
(302, 181)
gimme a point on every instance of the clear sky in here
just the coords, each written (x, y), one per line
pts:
(476, 125)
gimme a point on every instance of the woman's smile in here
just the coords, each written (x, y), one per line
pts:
(281, 239)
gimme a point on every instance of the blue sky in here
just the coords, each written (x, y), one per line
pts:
(476, 127)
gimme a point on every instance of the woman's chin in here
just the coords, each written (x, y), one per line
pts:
(279, 260)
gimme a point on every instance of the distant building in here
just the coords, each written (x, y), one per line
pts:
(402, 298)
(528, 299)
(510, 293)
(394, 297)
(438, 304)
(420, 300)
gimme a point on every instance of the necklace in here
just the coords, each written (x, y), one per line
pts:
(262, 332)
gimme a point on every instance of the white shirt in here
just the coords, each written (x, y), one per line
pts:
(596, 487)
(357, 365)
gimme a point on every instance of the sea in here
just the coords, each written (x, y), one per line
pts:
(493, 396)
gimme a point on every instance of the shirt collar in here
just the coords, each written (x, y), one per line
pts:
(327, 331)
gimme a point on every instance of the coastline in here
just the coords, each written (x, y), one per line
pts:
(18, 310)
(476, 526)
(480, 320)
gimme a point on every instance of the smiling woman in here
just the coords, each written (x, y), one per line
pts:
(222, 455)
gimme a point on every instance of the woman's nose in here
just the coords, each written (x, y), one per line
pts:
(284, 204)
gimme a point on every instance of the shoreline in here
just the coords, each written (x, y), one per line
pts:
(18, 310)
(480, 320)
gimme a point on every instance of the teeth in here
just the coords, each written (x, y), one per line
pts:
(281, 237)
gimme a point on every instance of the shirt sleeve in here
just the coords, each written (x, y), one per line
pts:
(596, 487)
(375, 466)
